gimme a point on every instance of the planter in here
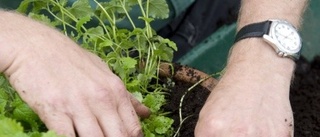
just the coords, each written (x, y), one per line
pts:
(188, 74)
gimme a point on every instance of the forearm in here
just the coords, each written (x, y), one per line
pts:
(253, 11)
(255, 60)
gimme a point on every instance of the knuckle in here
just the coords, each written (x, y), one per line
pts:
(119, 85)
(102, 95)
(135, 130)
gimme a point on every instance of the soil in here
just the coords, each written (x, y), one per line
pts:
(192, 104)
(304, 97)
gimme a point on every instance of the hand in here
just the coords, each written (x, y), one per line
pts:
(247, 106)
(234, 113)
(72, 90)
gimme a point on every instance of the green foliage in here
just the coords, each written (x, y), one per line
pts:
(158, 9)
(13, 110)
(157, 126)
(11, 128)
(134, 55)
(154, 101)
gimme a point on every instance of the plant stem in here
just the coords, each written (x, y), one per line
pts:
(61, 20)
(127, 14)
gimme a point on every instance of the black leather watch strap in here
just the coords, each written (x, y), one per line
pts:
(253, 30)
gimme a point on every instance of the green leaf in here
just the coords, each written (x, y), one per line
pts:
(2, 79)
(158, 125)
(24, 5)
(131, 2)
(154, 101)
(50, 134)
(42, 18)
(164, 52)
(138, 96)
(63, 3)
(146, 19)
(36, 5)
(24, 112)
(35, 134)
(128, 62)
(158, 9)
(81, 8)
(104, 44)
(9, 127)
(170, 43)
(163, 124)
(94, 33)
(82, 21)
(134, 86)
(3, 100)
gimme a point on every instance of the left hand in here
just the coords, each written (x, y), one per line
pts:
(249, 106)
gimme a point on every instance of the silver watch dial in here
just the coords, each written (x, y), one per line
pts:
(287, 37)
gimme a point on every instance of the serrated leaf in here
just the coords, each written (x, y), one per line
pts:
(42, 18)
(157, 125)
(3, 100)
(24, 112)
(94, 33)
(82, 21)
(164, 52)
(9, 127)
(158, 9)
(163, 124)
(170, 43)
(81, 8)
(105, 43)
(132, 2)
(154, 101)
(128, 62)
(24, 5)
(2, 79)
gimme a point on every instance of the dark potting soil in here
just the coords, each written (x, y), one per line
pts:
(304, 97)
(192, 104)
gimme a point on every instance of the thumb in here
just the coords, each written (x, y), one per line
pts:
(140, 109)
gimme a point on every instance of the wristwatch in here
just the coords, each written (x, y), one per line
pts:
(280, 34)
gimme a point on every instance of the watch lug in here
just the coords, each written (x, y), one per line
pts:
(271, 41)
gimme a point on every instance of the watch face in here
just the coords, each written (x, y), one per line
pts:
(287, 37)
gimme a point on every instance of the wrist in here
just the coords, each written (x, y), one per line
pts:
(252, 61)
(8, 50)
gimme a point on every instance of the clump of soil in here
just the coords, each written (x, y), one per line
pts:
(304, 97)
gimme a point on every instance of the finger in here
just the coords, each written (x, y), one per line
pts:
(86, 123)
(140, 109)
(60, 123)
(108, 118)
(130, 118)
